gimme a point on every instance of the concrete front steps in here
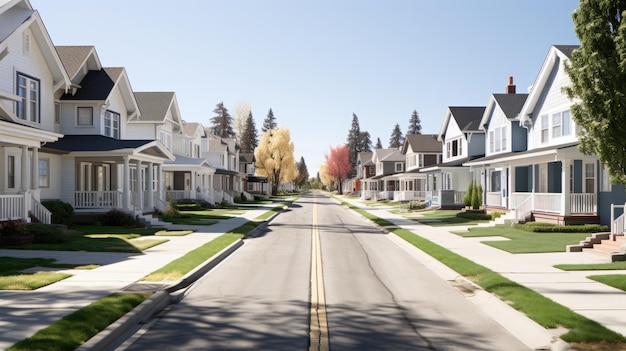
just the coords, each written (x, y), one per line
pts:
(601, 243)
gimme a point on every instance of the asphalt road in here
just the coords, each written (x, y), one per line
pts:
(368, 294)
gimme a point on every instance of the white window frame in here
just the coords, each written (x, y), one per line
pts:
(43, 168)
(605, 179)
(545, 128)
(491, 141)
(556, 125)
(166, 139)
(28, 108)
(80, 119)
(399, 167)
(589, 177)
(112, 124)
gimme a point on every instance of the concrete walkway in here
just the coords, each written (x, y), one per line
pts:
(22, 313)
(572, 289)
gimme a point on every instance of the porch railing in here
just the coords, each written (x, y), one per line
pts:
(98, 199)
(161, 205)
(40, 212)
(523, 209)
(494, 198)
(177, 195)
(618, 225)
(583, 203)
(547, 202)
(407, 195)
(12, 207)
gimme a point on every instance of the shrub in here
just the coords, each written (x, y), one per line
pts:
(190, 205)
(62, 212)
(14, 228)
(48, 234)
(475, 214)
(539, 227)
(467, 198)
(119, 218)
(476, 198)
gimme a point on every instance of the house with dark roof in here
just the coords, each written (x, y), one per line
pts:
(550, 180)
(100, 164)
(387, 163)
(189, 176)
(462, 140)
(420, 151)
(365, 169)
(32, 78)
(223, 155)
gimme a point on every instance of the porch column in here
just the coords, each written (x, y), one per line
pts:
(34, 168)
(25, 176)
(150, 185)
(194, 184)
(160, 188)
(126, 193)
(566, 203)
(138, 187)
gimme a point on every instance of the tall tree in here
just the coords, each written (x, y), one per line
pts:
(365, 142)
(249, 139)
(415, 124)
(396, 140)
(354, 140)
(303, 173)
(338, 165)
(269, 122)
(221, 124)
(242, 110)
(274, 157)
(598, 71)
(379, 145)
(325, 178)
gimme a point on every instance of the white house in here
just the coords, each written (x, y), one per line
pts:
(387, 163)
(420, 151)
(462, 140)
(32, 79)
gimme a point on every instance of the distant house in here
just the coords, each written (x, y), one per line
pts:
(420, 151)
(188, 176)
(223, 155)
(387, 162)
(32, 79)
(365, 169)
(462, 140)
(253, 183)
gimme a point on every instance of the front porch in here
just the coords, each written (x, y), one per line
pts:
(556, 208)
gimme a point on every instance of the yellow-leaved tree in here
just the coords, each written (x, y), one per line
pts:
(274, 157)
(326, 179)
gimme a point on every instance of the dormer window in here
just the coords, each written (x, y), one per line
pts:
(28, 106)
(399, 167)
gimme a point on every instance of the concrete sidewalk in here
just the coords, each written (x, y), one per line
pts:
(594, 300)
(22, 313)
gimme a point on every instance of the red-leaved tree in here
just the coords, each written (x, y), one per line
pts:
(338, 165)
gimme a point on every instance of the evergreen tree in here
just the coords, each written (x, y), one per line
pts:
(353, 142)
(269, 122)
(396, 140)
(379, 145)
(303, 173)
(249, 138)
(415, 125)
(598, 71)
(365, 142)
(221, 124)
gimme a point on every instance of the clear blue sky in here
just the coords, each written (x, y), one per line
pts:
(317, 62)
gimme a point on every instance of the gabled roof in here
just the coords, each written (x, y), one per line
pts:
(423, 143)
(153, 105)
(75, 57)
(247, 157)
(97, 85)
(466, 117)
(12, 15)
(387, 155)
(365, 158)
(556, 56)
(107, 145)
(193, 128)
(510, 104)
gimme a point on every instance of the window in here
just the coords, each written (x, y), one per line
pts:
(590, 178)
(561, 124)
(112, 124)
(498, 139)
(185, 148)
(455, 147)
(491, 140)
(448, 149)
(84, 117)
(399, 167)
(44, 173)
(556, 125)
(544, 128)
(566, 119)
(28, 105)
(496, 181)
(166, 139)
(11, 172)
(543, 178)
(57, 113)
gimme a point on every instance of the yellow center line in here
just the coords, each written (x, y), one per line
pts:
(318, 334)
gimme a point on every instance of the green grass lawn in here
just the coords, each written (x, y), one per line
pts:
(73, 330)
(12, 277)
(522, 241)
(442, 218)
(617, 281)
(593, 267)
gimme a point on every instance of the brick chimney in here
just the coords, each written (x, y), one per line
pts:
(510, 89)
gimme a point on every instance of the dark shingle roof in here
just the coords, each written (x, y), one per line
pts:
(467, 117)
(567, 49)
(94, 143)
(511, 104)
(96, 85)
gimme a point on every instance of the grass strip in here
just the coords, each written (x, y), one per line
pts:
(593, 267)
(185, 264)
(617, 281)
(537, 307)
(381, 222)
(73, 330)
(30, 281)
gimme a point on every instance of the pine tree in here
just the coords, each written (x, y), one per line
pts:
(249, 138)
(415, 125)
(269, 122)
(353, 142)
(396, 140)
(379, 145)
(221, 124)
(365, 142)
(303, 173)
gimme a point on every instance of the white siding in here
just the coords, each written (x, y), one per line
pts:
(497, 120)
(68, 179)
(454, 132)
(56, 176)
